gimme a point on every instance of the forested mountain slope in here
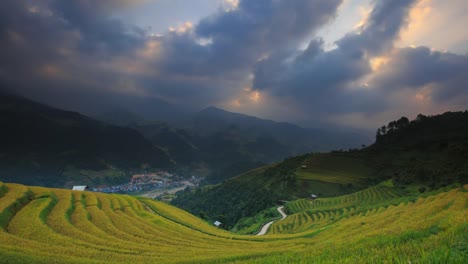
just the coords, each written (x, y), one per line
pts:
(41, 145)
(427, 153)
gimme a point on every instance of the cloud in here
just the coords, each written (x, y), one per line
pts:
(381, 29)
(366, 77)
(320, 80)
(437, 16)
(440, 75)
(241, 36)
(227, 44)
(98, 31)
(74, 53)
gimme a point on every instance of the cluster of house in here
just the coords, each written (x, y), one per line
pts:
(154, 177)
(143, 182)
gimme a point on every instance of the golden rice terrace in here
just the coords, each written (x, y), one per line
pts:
(41, 225)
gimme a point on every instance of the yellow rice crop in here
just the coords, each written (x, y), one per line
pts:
(373, 226)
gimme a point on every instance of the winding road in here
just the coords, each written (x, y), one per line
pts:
(156, 193)
(267, 225)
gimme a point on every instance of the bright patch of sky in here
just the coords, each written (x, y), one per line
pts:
(350, 14)
(439, 24)
(427, 17)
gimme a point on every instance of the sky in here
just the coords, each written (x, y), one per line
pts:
(351, 63)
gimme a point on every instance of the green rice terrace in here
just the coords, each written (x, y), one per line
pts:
(334, 168)
(377, 225)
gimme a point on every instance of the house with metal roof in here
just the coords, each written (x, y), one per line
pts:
(80, 188)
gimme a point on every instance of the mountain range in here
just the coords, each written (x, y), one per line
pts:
(219, 144)
(47, 146)
(427, 153)
(42, 145)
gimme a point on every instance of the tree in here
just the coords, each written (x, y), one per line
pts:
(378, 135)
(402, 122)
(383, 129)
(391, 126)
(203, 215)
(421, 117)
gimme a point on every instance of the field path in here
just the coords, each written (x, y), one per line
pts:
(267, 225)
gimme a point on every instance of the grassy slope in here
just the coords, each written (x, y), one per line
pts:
(429, 152)
(335, 168)
(43, 225)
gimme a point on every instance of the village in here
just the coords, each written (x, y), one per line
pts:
(149, 182)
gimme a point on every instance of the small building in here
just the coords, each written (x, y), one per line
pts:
(304, 166)
(80, 188)
(313, 196)
(218, 224)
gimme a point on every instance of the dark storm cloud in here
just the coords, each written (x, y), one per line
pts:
(415, 68)
(52, 50)
(74, 53)
(321, 80)
(382, 28)
(36, 33)
(27, 36)
(240, 37)
(97, 31)
(214, 71)
(63, 45)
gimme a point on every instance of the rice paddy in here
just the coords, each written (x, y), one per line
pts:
(334, 168)
(376, 225)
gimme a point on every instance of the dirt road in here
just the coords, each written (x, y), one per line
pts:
(156, 193)
(267, 225)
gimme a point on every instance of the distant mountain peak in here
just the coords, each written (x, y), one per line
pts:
(212, 108)
(216, 112)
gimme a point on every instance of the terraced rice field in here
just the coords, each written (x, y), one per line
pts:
(41, 225)
(307, 214)
(375, 195)
(334, 168)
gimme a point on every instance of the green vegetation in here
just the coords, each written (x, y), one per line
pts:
(335, 168)
(219, 145)
(376, 225)
(51, 147)
(306, 214)
(425, 154)
(252, 225)
(401, 200)
(430, 150)
(112, 176)
(243, 196)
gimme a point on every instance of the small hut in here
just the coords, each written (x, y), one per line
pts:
(218, 224)
(80, 188)
(313, 196)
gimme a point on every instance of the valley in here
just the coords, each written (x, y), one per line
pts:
(381, 203)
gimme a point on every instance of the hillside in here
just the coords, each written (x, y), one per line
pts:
(219, 144)
(217, 156)
(41, 225)
(41, 145)
(297, 139)
(425, 154)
